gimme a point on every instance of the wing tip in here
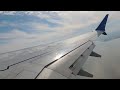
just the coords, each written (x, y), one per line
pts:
(102, 25)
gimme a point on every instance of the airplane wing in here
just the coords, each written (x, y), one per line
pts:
(59, 60)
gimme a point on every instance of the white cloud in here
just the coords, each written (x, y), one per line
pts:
(14, 34)
(68, 19)
(68, 22)
(17, 39)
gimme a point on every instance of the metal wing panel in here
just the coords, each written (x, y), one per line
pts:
(62, 66)
(50, 74)
(20, 71)
(63, 48)
(13, 58)
(41, 56)
(17, 57)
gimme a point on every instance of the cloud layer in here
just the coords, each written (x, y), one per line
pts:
(20, 29)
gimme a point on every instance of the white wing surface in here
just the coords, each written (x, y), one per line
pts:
(59, 60)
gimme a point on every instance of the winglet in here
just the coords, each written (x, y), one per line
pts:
(102, 25)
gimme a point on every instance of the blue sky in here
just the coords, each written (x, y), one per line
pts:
(21, 29)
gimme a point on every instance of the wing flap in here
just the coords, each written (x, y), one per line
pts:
(62, 65)
(85, 73)
(76, 67)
